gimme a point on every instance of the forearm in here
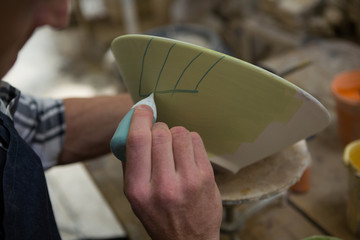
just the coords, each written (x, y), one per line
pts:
(90, 124)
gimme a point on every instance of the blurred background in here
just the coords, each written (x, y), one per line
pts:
(76, 61)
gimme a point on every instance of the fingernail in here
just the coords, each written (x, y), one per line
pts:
(143, 107)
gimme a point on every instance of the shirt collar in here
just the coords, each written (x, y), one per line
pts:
(9, 98)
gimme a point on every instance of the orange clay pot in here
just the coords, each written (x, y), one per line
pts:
(346, 90)
(303, 185)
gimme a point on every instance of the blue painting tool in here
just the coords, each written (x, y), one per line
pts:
(118, 141)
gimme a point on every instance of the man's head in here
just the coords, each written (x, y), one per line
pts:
(19, 19)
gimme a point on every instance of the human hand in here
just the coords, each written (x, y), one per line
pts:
(169, 181)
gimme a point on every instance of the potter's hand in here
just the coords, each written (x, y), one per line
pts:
(169, 181)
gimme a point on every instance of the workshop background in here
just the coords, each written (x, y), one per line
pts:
(76, 61)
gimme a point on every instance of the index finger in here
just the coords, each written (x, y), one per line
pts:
(138, 146)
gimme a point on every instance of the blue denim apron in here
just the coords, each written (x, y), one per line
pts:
(26, 210)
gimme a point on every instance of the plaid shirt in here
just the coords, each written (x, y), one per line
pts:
(40, 122)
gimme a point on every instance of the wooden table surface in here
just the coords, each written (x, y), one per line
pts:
(321, 211)
(278, 172)
(324, 205)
